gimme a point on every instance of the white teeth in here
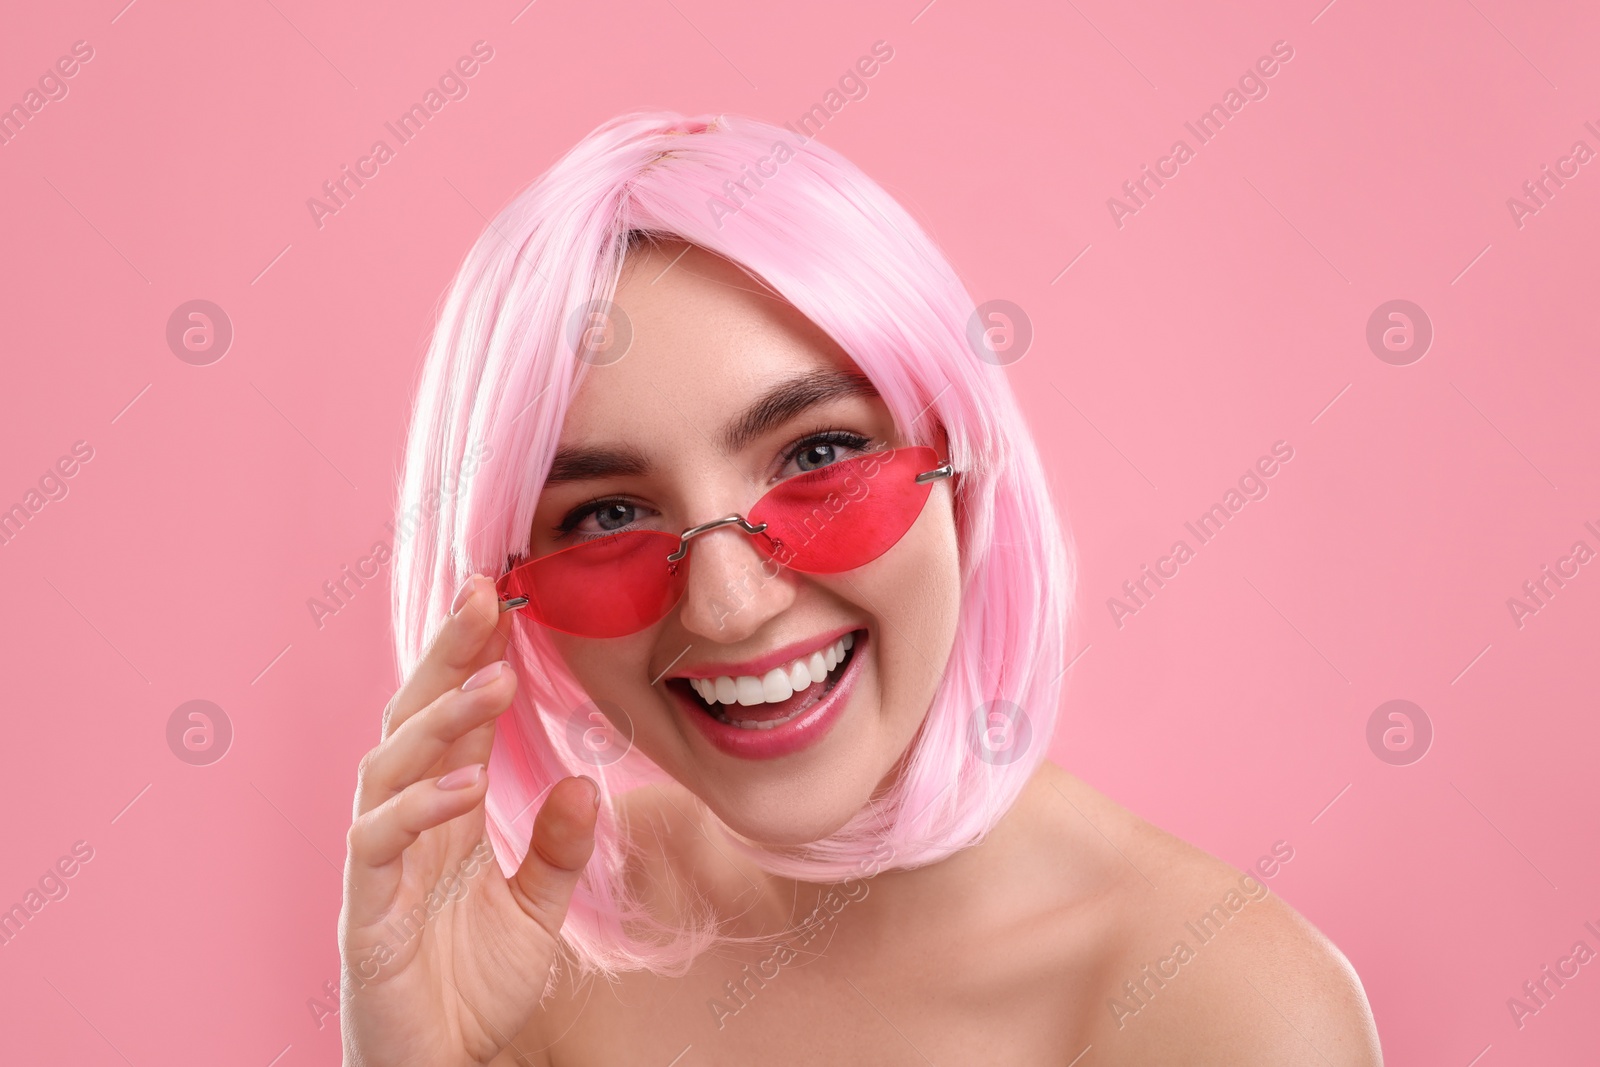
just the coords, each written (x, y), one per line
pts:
(777, 685)
(818, 665)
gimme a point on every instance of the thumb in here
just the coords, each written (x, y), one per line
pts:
(562, 842)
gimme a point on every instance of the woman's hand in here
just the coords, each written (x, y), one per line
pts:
(425, 980)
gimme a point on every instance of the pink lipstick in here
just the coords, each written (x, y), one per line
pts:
(770, 729)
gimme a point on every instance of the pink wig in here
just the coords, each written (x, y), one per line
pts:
(501, 371)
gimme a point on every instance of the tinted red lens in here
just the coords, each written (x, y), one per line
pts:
(836, 518)
(608, 587)
(844, 515)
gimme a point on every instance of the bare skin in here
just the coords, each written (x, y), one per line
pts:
(1006, 953)
(1010, 951)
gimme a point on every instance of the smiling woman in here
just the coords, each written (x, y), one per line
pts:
(710, 454)
(797, 546)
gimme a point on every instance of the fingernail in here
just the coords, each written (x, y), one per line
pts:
(594, 785)
(464, 594)
(484, 676)
(462, 777)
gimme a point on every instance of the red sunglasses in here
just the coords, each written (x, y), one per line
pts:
(835, 518)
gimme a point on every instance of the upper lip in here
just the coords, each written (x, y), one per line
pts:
(760, 665)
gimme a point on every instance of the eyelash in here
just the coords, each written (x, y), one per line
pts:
(848, 438)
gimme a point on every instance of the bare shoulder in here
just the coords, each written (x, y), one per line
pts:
(1201, 962)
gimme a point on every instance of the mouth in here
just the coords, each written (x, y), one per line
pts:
(787, 708)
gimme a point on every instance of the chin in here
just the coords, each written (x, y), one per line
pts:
(783, 829)
(796, 808)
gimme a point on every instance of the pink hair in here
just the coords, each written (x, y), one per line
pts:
(495, 387)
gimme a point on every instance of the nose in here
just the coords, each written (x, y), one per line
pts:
(732, 590)
(706, 527)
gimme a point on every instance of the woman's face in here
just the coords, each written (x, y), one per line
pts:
(724, 391)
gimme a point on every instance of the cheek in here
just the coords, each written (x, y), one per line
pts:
(612, 675)
(934, 562)
(610, 668)
(917, 599)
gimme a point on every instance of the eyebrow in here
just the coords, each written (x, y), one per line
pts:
(773, 408)
(791, 398)
(584, 464)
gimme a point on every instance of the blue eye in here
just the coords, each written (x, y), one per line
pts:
(813, 456)
(601, 517)
(612, 517)
(823, 450)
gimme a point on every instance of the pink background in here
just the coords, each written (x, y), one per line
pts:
(1227, 314)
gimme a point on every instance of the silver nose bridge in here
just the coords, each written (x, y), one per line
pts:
(706, 527)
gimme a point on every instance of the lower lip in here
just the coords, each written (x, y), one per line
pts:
(800, 732)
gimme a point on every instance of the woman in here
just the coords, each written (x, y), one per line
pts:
(762, 565)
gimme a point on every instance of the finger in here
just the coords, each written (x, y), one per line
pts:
(562, 842)
(414, 750)
(473, 635)
(379, 838)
